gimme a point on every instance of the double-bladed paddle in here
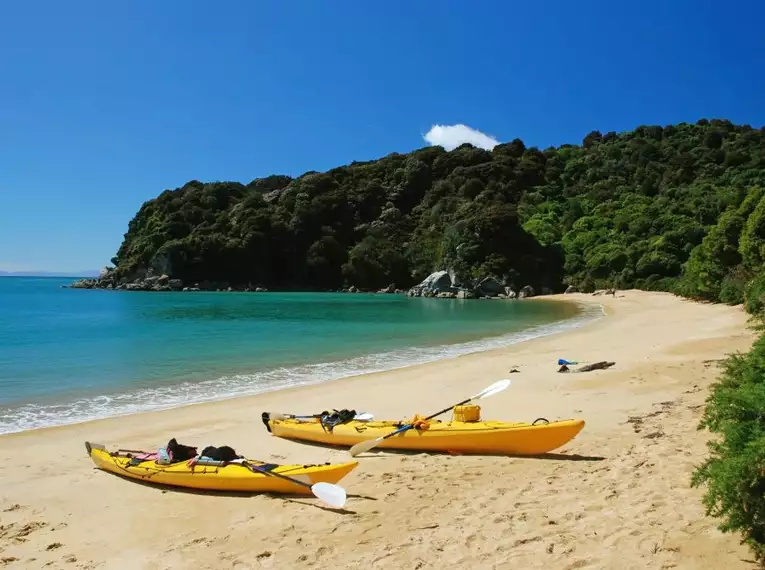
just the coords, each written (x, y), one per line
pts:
(485, 393)
(333, 495)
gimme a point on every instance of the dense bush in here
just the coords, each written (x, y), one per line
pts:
(734, 472)
(728, 266)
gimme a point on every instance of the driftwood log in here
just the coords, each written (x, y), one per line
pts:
(602, 365)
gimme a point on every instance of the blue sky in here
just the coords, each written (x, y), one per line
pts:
(105, 104)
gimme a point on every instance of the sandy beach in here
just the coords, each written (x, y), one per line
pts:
(617, 496)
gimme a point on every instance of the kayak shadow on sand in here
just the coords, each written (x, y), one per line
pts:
(241, 494)
(562, 457)
(294, 499)
(545, 456)
(382, 452)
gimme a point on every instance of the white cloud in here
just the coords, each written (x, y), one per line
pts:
(452, 136)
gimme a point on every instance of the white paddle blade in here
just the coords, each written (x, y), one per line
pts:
(493, 389)
(364, 446)
(333, 495)
(364, 417)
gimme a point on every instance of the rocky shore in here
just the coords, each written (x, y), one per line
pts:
(445, 285)
(440, 284)
(109, 280)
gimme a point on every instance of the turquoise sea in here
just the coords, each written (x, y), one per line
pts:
(70, 355)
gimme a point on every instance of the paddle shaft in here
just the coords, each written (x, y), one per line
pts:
(449, 408)
(410, 426)
(266, 472)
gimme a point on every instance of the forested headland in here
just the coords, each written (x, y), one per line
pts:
(665, 208)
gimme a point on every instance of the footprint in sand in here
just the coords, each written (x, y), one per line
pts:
(470, 540)
(200, 540)
(578, 564)
(322, 550)
(522, 541)
(21, 534)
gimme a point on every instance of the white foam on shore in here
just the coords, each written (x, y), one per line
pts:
(33, 416)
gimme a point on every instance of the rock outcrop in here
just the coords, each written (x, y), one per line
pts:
(527, 291)
(108, 279)
(441, 284)
(491, 287)
(433, 284)
(611, 292)
(88, 283)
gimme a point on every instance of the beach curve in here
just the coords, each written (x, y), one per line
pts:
(618, 495)
(35, 415)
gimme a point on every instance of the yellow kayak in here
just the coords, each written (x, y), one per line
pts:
(216, 477)
(471, 437)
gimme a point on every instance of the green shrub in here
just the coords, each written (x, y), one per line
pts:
(734, 472)
(732, 290)
(755, 295)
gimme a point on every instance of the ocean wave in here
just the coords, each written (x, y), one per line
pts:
(33, 416)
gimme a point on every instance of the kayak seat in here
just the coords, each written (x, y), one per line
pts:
(330, 420)
(210, 462)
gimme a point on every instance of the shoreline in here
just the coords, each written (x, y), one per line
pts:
(436, 284)
(618, 495)
(348, 368)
